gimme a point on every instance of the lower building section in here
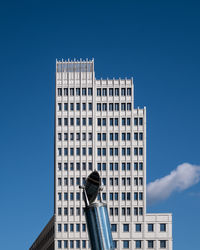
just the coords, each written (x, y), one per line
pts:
(45, 240)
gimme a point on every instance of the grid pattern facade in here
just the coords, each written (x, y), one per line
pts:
(97, 127)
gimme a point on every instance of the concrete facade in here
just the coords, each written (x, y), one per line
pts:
(98, 127)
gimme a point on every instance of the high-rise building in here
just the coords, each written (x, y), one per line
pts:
(98, 127)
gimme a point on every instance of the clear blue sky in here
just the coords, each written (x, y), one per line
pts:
(156, 42)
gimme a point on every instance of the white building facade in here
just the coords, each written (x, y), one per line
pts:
(97, 127)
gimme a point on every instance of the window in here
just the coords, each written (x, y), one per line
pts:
(141, 166)
(135, 151)
(59, 121)
(84, 121)
(90, 121)
(150, 243)
(104, 92)
(66, 91)
(128, 121)
(138, 227)
(128, 136)
(83, 106)
(65, 136)
(59, 244)
(123, 106)
(99, 121)
(59, 92)
(59, 151)
(78, 196)
(116, 106)
(89, 91)
(72, 165)
(77, 121)
(59, 227)
(83, 91)
(71, 196)
(65, 196)
(104, 137)
(59, 181)
(71, 227)
(126, 227)
(125, 243)
(104, 107)
(71, 151)
(84, 151)
(141, 121)
(128, 166)
(98, 92)
(71, 91)
(163, 244)
(59, 166)
(135, 121)
(59, 211)
(135, 136)
(129, 91)
(72, 121)
(98, 136)
(140, 211)
(150, 228)
(89, 136)
(123, 92)
(66, 121)
(84, 244)
(114, 227)
(123, 151)
(66, 106)
(123, 136)
(116, 91)
(104, 121)
(65, 181)
(138, 244)
(111, 136)
(123, 196)
(77, 106)
(59, 136)
(65, 227)
(110, 91)
(162, 227)
(140, 136)
(135, 211)
(116, 121)
(104, 151)
(123, 166)
(71, 244)
(136, 181)
(140, 196)
(116, 164)
(115, 243)
(90, 106)
(135, 196)
(140, 151)
(128, 106)
(77, 227)
(83, 227)
(123, 121)
(110, 106)
(89, 151)
(111, 122)
(59, 106)
(78, 91)
(71, 106)
(78, 136)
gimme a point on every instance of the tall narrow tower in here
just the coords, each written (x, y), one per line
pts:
(97, 127)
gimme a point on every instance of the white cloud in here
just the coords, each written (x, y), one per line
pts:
(183, 177)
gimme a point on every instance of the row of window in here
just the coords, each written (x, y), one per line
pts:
(115, 151)
(72, 151)
(74, 91)
(113, 91)
(100, 151)
(112, 196)
(125, 211)
(125, 181)
(73, 106)
(125, 166)
(114, 107)
(100, 136)
(138, 227)
(100, 121)
(115, 136)
(126, 244)
(72, 121)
